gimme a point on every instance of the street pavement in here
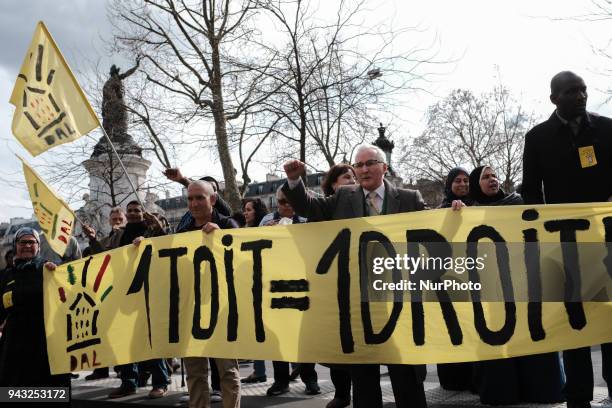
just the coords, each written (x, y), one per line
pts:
(94, 393)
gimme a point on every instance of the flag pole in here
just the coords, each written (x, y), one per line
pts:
(110, 142)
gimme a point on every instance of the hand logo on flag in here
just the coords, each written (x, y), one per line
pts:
(39, 105)
(50, 107)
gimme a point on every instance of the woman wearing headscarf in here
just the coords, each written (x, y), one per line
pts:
(484, 189)
(456, 188)
(456, 376)
(535, 378)
(23, 347)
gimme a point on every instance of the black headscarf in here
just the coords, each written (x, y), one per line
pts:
(501, 198)
(449, 196)
(476, 192)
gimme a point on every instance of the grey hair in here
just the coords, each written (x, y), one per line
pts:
(209, 190)
(380, 155)
(117, 210)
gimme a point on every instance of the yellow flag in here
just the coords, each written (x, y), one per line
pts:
(56, 219)
(51, 108)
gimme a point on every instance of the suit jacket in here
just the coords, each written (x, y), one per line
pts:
(552, 172)
(349, 202)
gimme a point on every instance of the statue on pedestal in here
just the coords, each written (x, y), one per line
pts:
(115, 114)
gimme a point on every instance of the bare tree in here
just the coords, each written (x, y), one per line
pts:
(185, 48)
(603, 13)
(515, 122)
(460, 131)
(330, 85)
(469, 130)
(599, 13)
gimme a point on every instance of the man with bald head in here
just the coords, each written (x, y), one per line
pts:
(568, 159)
(201, 199)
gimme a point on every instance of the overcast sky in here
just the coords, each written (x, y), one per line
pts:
(521, 37)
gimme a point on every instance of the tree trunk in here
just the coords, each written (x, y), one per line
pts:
(229, 175)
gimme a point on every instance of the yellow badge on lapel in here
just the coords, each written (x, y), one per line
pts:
(7, 299)
(587, 156)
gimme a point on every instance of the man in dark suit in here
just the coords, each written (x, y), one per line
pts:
(372, 196)
(568, 159)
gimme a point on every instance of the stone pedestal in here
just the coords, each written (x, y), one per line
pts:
(97, 208)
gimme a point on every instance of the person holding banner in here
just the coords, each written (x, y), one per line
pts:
(254, 209)
(337, 176)
(568, 159)
(140, 224)
(372, 196)
(23, 350)
(174, 174)
(534, 378)
(201, 199)
(456, 376)
(456, 188)
(116, 220)
(285, 215)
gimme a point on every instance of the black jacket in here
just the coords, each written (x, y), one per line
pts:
(23, 346)
(551, 164)
(220, 206)
(221, 220)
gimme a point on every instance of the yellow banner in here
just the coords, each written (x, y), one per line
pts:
(55, 217)
(295, 293)
(50, 107)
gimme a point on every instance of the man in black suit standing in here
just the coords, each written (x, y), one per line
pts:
(372, 196)
(568, 159)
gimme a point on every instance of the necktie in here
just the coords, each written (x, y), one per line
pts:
(373, 208)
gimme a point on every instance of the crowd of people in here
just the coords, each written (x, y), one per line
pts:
(567, 159)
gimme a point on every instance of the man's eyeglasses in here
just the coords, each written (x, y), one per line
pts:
(367, 163)
(282, 201)
(27, 242)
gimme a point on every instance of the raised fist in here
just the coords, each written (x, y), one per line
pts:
(89, 232)
(173, 174)
(294, 169)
